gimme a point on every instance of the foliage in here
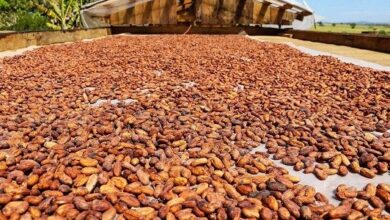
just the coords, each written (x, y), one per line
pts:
(3, 4)
(320, 23)
(382, 32)
(334, 24)
(353, 25)
(32, 21)
(40, 14)
(346, 28)
(10, 10)
(20, 15)
(63, 14)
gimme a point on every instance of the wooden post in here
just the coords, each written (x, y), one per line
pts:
(259, 12)
(198, 11)
(240, 8)
(281, 11)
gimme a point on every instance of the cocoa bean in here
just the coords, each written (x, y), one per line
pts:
(110, 136)
(340, 212)
(100, 205)
(266, 213)
(276, 186)
(18, 207)
(80, 203)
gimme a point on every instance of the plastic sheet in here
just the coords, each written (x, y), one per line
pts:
(92, 12)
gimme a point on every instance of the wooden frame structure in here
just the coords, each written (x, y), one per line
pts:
(219, 13)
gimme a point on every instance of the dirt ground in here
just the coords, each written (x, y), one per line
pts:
(366, 55)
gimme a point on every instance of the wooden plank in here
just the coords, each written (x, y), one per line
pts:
(209, 10)
(279, 16)
(239, 11)
(130, 13)
(172, 16)
(164, 15)
(168, 11)
(288, 18)
(247, 13)
(198, 10)
(147, 16)
(153, 12)
(180, 29)
(256, 12)
(139, 13)
(267, 15)
(227, 11)
(114, 17)
(218, 12)
(113, 20)
(287, 6)
(274, 15)
(205, 11)
(126, 16)
(299, 16)
(118, 16)
(156, 12)
(261, 12)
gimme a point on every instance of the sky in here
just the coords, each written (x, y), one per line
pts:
(352, 10)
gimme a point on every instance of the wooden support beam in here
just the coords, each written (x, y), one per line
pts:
(263, 11)
(220, 12)
(227, 13)
(203, 29)
(287, 6)
(281, 12)
(239, 10)
(198, 10)
(267, 3)
(301, 15)
(147, 15)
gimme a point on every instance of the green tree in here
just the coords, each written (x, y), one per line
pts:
(24, 15)
(32, 21)
(63, 14)
(4, 4)
(353, 25)
(320, 23)
(382, 32)
(14, 11)
(334, 24)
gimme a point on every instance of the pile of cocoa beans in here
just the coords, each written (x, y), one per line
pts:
(164, 127)
(356, 204)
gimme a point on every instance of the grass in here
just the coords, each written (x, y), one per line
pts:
(346, 28)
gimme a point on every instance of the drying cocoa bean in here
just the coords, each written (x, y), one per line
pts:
(104, 130)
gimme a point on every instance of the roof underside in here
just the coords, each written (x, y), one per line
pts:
(107, 5)
(207, 12)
